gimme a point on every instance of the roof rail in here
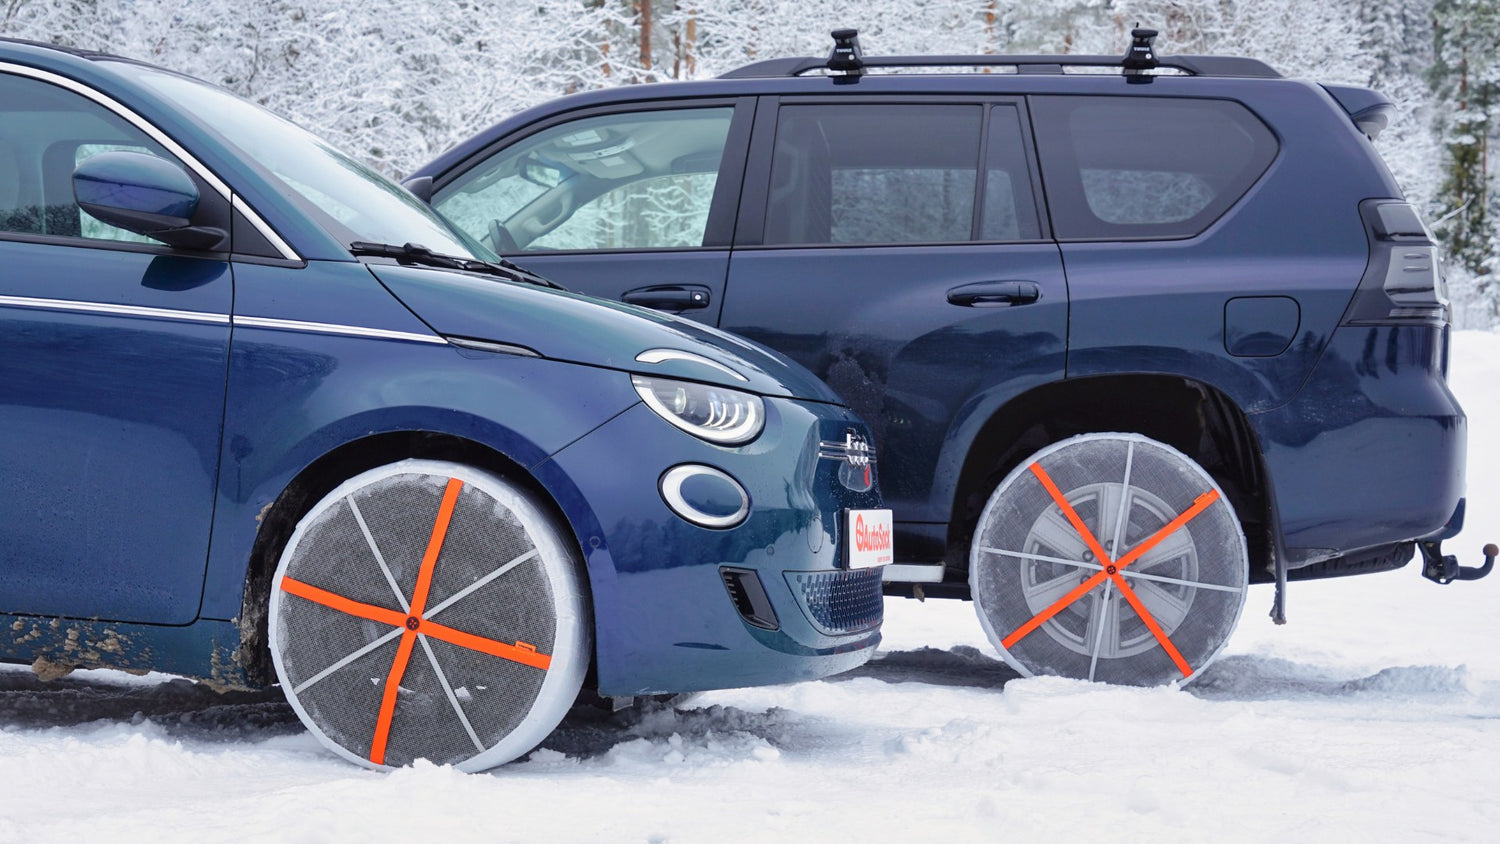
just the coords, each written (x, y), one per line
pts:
(1231, 66)
(847, 62)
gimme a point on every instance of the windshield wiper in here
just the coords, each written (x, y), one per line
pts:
(414, 253)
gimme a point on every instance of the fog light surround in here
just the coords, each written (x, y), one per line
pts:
(705, 496)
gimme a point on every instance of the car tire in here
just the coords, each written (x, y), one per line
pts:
(1054, 595)
(427, 609)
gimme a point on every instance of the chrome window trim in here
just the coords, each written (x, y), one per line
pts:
(161, 138)
(331, 328)
(76, 306)
(239, 204)
(111, 309)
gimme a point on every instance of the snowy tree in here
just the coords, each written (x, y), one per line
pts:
(398, 81)
(1466, 75)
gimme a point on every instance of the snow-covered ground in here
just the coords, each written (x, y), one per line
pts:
(1373, 715)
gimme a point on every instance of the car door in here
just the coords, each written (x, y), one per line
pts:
(896, 248)
(113, 352)
(633, 203)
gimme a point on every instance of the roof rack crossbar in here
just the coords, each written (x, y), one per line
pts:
(1225, 66)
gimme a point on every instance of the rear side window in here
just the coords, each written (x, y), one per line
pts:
(897, 173)
(1146, 167)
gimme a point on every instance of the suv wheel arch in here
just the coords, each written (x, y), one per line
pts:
(1191, 416)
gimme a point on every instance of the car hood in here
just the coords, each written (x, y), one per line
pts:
(581, 329)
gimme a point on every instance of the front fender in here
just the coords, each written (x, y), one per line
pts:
(297, 396)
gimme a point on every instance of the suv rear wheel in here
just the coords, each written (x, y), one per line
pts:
(1109, 557)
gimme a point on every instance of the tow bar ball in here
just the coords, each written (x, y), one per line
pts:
(1445, 569)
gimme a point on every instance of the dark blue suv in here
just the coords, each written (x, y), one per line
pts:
(1131, 335)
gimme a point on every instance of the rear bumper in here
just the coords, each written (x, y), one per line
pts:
(665, 620)
(1371, 450)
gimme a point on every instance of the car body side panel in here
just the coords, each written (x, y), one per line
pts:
(205, 649)
(296, 395)
(1160, 306)
(876, 324)
(1358, 452)
(572, 327)
(1371, 451)
(611, 275)
(111, 415)
(666, 622)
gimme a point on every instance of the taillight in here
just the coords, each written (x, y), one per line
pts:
(1403, 282)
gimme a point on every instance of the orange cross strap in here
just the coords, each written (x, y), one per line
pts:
(1161, 637)
(388, 698)
(435, 546)
(515, 653)
(1200, 504)
(418, 603)
(1073, 517)
(1058, 606)
(342, 604)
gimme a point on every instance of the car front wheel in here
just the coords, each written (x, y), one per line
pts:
(426, 609)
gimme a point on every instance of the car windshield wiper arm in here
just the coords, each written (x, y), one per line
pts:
(414, 253)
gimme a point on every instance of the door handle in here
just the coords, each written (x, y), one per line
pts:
(672, 297)
(994, 294)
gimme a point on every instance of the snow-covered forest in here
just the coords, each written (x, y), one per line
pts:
(398, 81)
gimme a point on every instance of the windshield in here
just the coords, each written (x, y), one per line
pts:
(370, 206)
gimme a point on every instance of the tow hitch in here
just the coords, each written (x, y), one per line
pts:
(1445, 569)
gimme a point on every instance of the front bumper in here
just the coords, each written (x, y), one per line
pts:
(666, 616)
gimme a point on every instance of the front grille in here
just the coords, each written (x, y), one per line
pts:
(840, 602)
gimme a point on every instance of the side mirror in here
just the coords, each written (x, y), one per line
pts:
(144, 194)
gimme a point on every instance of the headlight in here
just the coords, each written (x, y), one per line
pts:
(717, 414)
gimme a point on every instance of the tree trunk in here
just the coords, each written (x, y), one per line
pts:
(643, 10)
(690, 43)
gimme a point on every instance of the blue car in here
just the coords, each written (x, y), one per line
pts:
(251, 432)
(1149, 279)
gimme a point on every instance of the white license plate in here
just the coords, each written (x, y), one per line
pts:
(869, 534)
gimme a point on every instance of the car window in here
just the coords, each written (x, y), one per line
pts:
(1009, 209)
(45, 132)
(1121, 167)
(642, 180)
(859, 174)
(663, 212)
